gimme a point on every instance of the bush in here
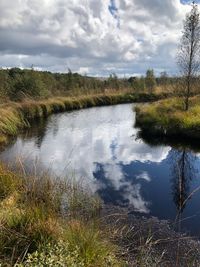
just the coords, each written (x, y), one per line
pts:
(53, 255)
(28, 84)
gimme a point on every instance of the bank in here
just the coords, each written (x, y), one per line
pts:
(168, 118)
(15, 116)
(56, 222)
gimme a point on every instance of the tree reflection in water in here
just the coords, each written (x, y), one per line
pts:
(183, 172)
(183, 160)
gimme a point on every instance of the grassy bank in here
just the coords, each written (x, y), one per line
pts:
(168, 118)
(15, 116)
(46, 221)
(50, 222)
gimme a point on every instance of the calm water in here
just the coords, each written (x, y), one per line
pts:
(101, 146)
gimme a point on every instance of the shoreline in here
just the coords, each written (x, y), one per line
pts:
(166, 118)
(161, 245)
(35, 228)
(16, 116)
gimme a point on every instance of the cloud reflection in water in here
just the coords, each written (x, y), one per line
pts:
(95, 144)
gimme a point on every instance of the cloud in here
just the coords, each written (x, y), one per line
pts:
(100, 36)
(144, 175)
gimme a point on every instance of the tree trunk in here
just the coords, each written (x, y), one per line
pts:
(187, 94)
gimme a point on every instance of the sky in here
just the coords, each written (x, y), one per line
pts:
(93, 37)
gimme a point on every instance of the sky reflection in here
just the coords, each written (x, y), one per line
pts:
(81, 141)
(100, 147)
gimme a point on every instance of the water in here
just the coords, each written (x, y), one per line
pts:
(101, 147)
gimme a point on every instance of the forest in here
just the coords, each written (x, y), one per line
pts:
(18, 84)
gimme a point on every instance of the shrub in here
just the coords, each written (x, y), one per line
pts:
(52, 255)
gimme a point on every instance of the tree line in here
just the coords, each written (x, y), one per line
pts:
(17, 84)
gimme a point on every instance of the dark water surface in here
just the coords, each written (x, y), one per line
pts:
(101, 146)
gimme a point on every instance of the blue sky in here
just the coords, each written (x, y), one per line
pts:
(112, 7)
(96, 37)
(114, 11)
(189, 1)
(185, 1)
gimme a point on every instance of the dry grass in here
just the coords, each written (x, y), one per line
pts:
(49, 220)
(16, 116)
(36, 211)
(151, 242)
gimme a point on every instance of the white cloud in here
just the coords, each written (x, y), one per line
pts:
(144, 175)
(80, 34)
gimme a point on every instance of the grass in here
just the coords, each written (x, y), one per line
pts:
(168, 118)
(16, 116)
(46, 221)
(53, 222)
(37, 213)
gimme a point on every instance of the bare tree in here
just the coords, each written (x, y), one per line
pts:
(189, 52)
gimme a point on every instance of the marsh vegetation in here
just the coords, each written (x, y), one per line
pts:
(54, 220)
(168, 118)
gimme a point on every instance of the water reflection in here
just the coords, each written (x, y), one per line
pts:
(100, 147)
(81, 140)
(184, 163)
(183, 172)
(174, 142)
(117, 187)
(37, 132)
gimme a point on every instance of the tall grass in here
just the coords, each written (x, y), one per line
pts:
(46, 221)
(16, 116)
(168, 118)
(37, 212)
